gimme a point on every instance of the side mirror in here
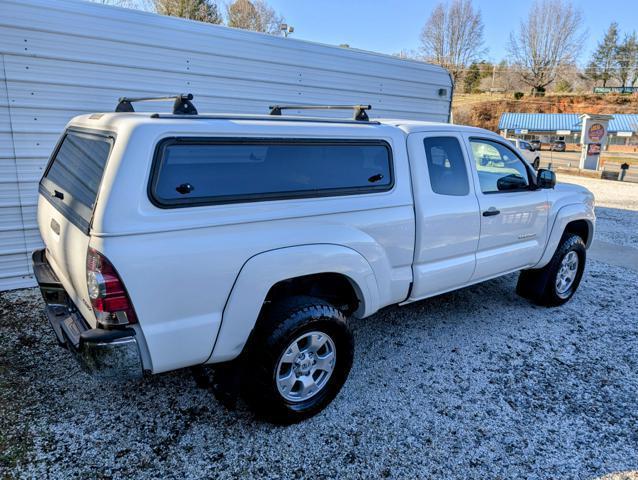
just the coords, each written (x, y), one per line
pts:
(546, 178)
(510, 182)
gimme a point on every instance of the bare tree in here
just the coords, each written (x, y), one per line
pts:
(201, 10)
(242, 14)
(408, 54)
(254, 15)
(547, 38)
(453, 36)
(270, 20)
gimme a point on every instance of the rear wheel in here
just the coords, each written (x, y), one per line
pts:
(556, 283)
(297, 360)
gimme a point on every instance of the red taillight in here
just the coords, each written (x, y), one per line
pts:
(111, 303)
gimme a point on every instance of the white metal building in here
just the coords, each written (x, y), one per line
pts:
(60, 58)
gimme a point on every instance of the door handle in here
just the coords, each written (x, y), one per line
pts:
(491, 212)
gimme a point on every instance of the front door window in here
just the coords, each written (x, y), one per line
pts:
(498, 167)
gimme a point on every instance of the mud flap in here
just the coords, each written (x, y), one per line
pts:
(532, 284)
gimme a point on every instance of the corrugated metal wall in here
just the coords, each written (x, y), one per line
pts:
(14, 267)
(550, 122)
(61, 58)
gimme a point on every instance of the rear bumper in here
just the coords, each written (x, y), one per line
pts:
(104, 354)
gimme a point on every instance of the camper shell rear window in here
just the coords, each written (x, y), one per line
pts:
(201, 171)
(74, 174)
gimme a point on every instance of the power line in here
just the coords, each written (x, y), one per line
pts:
(500, 100)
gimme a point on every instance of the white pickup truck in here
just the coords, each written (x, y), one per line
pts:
(181, 239)
(528, 151)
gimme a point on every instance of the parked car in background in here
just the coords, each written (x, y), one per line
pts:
(536, 145)
(558, 146)
(528, 152)
(177, 240)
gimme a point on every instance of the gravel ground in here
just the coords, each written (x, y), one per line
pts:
(616, 208)
(451, 387)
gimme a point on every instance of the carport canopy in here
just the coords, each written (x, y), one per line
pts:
(626, 123)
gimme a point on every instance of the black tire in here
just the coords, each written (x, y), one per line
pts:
(537, 163)
(540, 285)
(280, 326)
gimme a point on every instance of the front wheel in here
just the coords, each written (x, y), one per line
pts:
(556, 283)
(298, 359)
(536, 163)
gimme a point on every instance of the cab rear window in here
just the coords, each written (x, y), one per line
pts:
(196, 171)
(73, 177)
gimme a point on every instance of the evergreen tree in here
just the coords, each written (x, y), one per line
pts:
(627, 60)
(472, 79)
(602, 66)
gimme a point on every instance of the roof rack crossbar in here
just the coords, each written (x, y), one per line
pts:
(182, 103)
(359, 110)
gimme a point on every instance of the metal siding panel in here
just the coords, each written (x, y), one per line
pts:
(5, 124)
(55, 113)
(216, 63)
(40, 120)
(11, 217)
(15, 282)
(210, 91)
(28, 170)
(6, 146)
(69, 57)
(33, 239)
(28, 195)
(31, 169)
(14, 266)
(12, 241)
(141, 29)
(9, 195)
(34, 144)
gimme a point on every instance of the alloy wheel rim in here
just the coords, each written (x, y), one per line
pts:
(566, 274)
(305, 366)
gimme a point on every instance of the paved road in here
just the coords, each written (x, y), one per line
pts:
(613, 254)
(560, 159)
(572, 159)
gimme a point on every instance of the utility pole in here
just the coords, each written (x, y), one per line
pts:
(493, 77)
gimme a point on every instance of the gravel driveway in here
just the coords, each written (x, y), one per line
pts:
(616, 209)
(473, 384)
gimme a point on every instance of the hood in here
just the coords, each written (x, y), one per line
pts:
(570, 187)
(577, 192)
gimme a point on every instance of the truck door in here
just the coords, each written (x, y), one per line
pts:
(513, 214)
(447, 213)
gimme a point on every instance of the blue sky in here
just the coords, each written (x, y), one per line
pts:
(389, 26)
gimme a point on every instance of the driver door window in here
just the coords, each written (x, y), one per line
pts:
(498, 168)
(513, 215)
